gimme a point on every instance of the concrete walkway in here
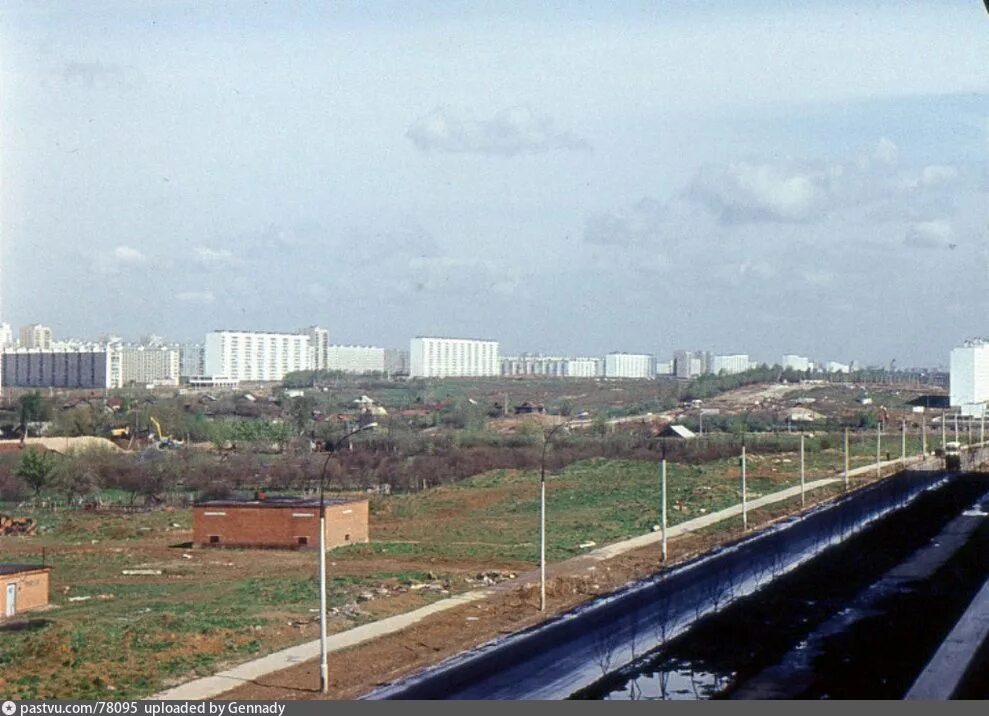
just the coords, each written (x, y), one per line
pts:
(212, 686)
(941, 677)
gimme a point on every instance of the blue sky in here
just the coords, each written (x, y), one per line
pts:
(751, 176)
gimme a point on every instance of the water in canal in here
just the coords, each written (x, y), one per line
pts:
(859, 621)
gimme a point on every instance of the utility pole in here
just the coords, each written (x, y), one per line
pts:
(944, 430)
(803, 498)
(879, 448)
(662, 522)
(846, 458)
(745, 506)
(903, 440)
(923, 435)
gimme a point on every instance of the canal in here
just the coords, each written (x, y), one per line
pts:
(860, 620)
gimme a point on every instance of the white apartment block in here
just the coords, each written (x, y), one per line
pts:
(319, 343)
(970, 376)
(629, 365)
(255, 356)
(835, 367)
(552, 366)
(93, 366)
(355, 359)
(795, 362)
(687, 364)
(730, 364)
(533, 365)
(6, 336)
(191, 360)
(584, 368)
(36, 336)
(149, 365)
(452, 357)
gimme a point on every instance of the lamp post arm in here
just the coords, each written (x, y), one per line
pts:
(546, 442)
(332, 451)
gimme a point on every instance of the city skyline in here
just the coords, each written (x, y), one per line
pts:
(737, 176)
(332, 355)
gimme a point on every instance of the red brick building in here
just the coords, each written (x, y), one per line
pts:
(23, 587)
(279, 522)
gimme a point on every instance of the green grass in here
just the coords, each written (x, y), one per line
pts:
(597, 500)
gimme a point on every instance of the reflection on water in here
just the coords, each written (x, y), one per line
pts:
(678, 681)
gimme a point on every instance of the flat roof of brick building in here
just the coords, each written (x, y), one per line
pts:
(279, 502)
(6, 569)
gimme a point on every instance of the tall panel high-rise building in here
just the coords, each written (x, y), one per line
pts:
(36, 336)
(149, 365)
(255, 356)
(970, 377)
(356, 359)
(629, 365)
(86, 366)
(452, 357)
(319, 342)
(730, 364)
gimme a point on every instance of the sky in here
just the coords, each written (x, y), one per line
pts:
(567, 178)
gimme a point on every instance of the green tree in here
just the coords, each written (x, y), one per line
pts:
(35, 468)
(33, 407)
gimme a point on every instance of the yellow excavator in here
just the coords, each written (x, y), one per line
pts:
(164, 441)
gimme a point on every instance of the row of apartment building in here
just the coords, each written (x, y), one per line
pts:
(624, 365)
(227, 357)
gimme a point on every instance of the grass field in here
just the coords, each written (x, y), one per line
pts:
(136, 634)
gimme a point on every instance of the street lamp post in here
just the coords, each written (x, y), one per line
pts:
(542, 508)
(803, 477)
(982, 426)
(324, 669)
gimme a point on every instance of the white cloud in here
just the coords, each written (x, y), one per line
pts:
(195, 296)
(790, 192)
(750, 192)
(512, 131)
(213, 257)
(129, 255)
(929, 235)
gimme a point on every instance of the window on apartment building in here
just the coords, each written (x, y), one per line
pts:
(214, 539)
